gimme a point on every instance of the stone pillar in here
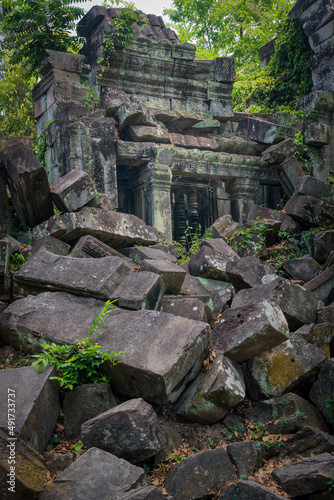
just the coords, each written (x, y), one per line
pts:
(242, 193)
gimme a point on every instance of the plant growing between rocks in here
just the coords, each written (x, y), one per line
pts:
(79, 363)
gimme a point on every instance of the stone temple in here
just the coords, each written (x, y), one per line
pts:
(156, 130)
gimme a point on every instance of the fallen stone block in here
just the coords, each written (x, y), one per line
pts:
(28, 185)
(320, 335)
(302, 268)
(209, 397)
(84, 402)
(224, 227)
(322, 286)
(247, 331)
(139, 254)
(143, 290)
(51, 245)
(14, 244)
(55, 462)
(310, 210)
(234, 146)
(22, 470)
(171, 274)
(283, 368)
(256, 129)
(113, 228)
(112, 99)
(288, 225)
(246, 456)
(307, 476)
(213, 469)
(96, 474)
(142, 133)
(90, 247)
(248, 490)
(211, 260)
(139, 374)
(130, 430)
(72, 191)
(87, 277)
(307, 442)
(35, 400)
(316, 134)
(322, 391)
(286, 414)
(248, 272)
(298, 305)
(188, 307)
(323, 243)
(326, 314)
(310, 186)
(145, 493)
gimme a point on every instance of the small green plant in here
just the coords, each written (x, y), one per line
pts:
(330, 409)
(79, 363)
(301, 416)
(92, 99)
(16, 261)
(176, 458)
(78, 448)
(57, 212)
(211, 442)
(247, 238)
(194, 240)
(330, 482)
(301, 152)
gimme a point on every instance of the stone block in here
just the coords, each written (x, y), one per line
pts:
(303, 268)
(211, 260)
(234, 146)
(73, 191)
(130, 430)
(62, 61)
(247, 331)
(6, 288)
(191, 308)
(224, 227)
(145, 493)
(140, 291)
(310, 210)
(246, 456)
(209, 397)
(96, 474)
(112, 99)
(320, 335)
(307, 442)
(282, 368)
(322, 286)
(46, 271)
(288, 225)
(224, 69)
(36, 404)
(139, 254)
(139, 374)
(84, 402)
(90, 247)
(282, 415)
(323, 244)
(57, 461)
(247, 490)
(51, 245)
(310, 186)
(298, 305)
(142, 133)
(316, 134)
(322, 391)
(260, 130)
(28, 185)
(171, 274)
(216, 470)
(249, 272)
(28, 477)
(113, 228)
(325, 315)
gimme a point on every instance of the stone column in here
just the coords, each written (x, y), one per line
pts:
(242, 193)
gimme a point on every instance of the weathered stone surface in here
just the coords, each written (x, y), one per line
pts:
(130, 430)
(15, 245)
(307, 442)
(138, 254)
(310, 186)
(298, 305)
(5, 217)
(51, 245)
(211, 260)
(200, 475)
(302, 268)
(28, 477)
(171, 274)
(249, 272)
(245, 456)
(322, 285)
(72, 191)
(87, 277)
(142, 133)
(6, 288)
(323, 244)
(248, 490)
(3, 306)
(148, 493)
(282, 415)
(288, 225)
(27, 322)
(35, 402)
(283, 368)
(310, 210)
(28, 185)
(306, 476)
(234, 146)
(90, 247)
(56, 461)
(263, 131)
(247, 331)
(115, 229)
(319, 335)
(326, 314)
(5, 251)
(322, 392)
(96, 474)
(83, 403)
(112, 99)
(208, 398)
(191, 308)
(224, 227)
(140, 291)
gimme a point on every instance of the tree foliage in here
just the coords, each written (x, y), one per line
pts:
(229, 28)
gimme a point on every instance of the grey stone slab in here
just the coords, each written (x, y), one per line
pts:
(56, 461)
(72, 191)
(145, 336)
(148, 493)
(322, 391)
(115, 229)
(310, 210)
(319, 334)
(143, 290)
(90, 247)
(35, 403)
(310, 186)
(188, 307)
(307, 442)
(95, 474)
(130, 430)
(326, 314)
(302, 268)
(323, 244)
(248, 490)
(171, 274)
(211, 260)
(28, 184)
(46, 271)
(138, 254)
(263, 131)
(52, 245)
(322, 285)
(249, 272)
(246, 456)
(247, 331)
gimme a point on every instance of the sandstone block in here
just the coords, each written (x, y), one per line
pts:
(248, 490)
(310, 210)
(188, 307)
(51, 245)
(138, 254)
(211, 260)
(249, 272)
(171, 274)
(322, 392)
(72, 191)
(140, 291)
(302, 268)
